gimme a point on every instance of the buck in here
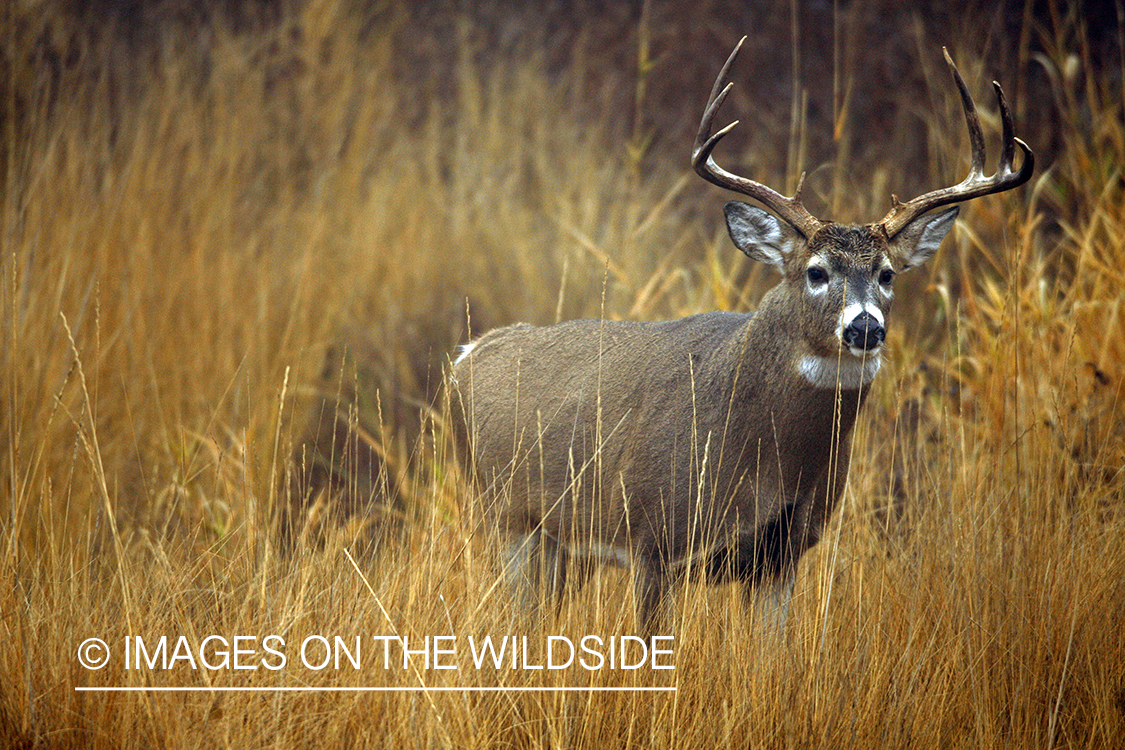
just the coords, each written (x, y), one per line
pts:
(719, 442)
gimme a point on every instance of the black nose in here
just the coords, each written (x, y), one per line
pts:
(864, 332)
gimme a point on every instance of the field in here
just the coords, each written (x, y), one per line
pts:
(241, 242)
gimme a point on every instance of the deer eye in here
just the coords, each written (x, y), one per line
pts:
(817, 275)
(886, 277)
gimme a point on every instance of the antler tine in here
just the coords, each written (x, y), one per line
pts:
(975, 183)
(705, 142)
(724, 72)
(1007, 149)
(976, 137)
(791, 210)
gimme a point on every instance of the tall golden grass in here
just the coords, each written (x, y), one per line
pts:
(196, 222)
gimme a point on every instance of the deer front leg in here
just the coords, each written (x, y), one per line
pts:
(536, 569)
(553, 569)
(519, 554)
(651, 591)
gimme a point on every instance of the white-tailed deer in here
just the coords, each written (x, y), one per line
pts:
(719, 442)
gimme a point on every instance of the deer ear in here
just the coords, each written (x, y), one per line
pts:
(921, 238)
(757, 233)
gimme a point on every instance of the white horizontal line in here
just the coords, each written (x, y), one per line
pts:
(374, 689)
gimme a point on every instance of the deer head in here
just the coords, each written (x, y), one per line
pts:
(840, 279)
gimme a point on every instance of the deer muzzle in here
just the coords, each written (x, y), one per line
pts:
(864, 333)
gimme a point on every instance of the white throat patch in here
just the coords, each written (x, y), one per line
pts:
(847, 372)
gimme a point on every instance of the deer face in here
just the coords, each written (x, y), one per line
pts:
(839, 281)
(844, 280)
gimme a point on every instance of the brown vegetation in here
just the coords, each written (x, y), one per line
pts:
(238, 250)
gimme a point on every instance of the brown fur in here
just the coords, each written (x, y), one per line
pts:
(686, 440)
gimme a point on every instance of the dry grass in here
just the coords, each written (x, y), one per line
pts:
(195, 224)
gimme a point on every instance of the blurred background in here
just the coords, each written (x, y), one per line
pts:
(240, 242)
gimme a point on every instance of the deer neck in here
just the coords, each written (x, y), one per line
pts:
(785, 370)
(843, 372)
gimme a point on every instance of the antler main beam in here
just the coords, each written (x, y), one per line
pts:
(791, 210)
(976, 183)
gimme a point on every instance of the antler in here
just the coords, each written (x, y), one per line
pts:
(975, 184)
(791, 210)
